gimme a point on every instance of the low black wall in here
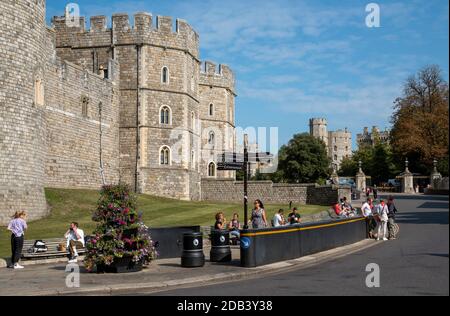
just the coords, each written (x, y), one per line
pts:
(265, 246)
(170, 240)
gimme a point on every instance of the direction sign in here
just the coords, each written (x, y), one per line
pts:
(232, 166)
(229, 157)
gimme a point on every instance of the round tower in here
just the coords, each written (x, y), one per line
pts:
(23, 53)
(318, 129)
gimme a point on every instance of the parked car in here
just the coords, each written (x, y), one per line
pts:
(394, 183)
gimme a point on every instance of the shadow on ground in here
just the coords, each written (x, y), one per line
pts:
(440, 218)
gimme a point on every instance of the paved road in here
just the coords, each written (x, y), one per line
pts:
(415, 264)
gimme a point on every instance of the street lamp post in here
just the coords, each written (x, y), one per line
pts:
(245, 167)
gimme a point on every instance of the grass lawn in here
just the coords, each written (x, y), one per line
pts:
(77, 205)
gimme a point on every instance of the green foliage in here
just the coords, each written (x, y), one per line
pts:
(443, 166)
(421, 121)
(303, 160)
(377, 161)
(120, 231)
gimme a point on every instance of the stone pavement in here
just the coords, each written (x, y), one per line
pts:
(161, 275)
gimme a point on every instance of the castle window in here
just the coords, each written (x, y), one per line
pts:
(211, 109)
(192, 83)
(84, 106)
(165, 75)
(39, 92)
(335, 158)
(164, 156)
(192, 121)
(211, 169)
(193, 159)
(165, 115)
(335, 148)
(211, 138)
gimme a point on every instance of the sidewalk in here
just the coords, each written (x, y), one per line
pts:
(161, 275)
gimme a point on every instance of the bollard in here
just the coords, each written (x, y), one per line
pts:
(192, 256)
(220, 246)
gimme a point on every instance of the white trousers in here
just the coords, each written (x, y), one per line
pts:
(382, 226)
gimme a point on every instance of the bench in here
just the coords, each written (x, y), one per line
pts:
(52, 252)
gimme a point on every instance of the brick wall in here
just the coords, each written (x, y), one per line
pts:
(226, 190)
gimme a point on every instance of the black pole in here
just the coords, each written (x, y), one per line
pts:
(245, 167)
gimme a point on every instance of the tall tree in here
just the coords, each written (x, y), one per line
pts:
(420, 120)
(303, 160)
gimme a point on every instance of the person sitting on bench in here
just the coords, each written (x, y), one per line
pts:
(75, 239)
(234, 226)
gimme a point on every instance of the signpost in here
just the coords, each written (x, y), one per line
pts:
(237, 162)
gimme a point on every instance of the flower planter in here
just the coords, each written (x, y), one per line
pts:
(121, 265)
(128, 233)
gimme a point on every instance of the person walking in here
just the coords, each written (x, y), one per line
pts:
(258, 218)
(391, 218)
(375, 192)
(383, 212)
(17, 226)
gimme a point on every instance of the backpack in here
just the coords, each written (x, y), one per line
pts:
(39, 246)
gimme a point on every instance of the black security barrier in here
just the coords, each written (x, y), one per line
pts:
(169, 240)
(192, 255)
(220, 246)
(265, 246)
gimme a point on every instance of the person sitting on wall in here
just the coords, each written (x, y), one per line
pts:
(294, 217)
(234, 226)
(347, 208)
(220, 221)
(75, 239)
(339, 211)
(278, 219)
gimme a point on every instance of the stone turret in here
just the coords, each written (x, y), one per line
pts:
(318, 129)
(23, 48)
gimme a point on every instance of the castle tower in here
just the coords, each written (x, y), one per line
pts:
(318, 129)
(22, 100)
(217, 113)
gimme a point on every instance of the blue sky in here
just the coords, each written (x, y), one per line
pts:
(299, 59)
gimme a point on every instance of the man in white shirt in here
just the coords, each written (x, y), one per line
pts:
(367, 208)
(278, 219)
(75, 239)
(367, 212)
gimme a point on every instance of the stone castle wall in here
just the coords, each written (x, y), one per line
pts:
(73, 137)
(23, 53)
(142, 48)
(226, 190)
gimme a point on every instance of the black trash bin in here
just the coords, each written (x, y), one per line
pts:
(220, 246)
(192, 256)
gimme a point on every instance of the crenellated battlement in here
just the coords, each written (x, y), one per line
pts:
(318, 121)
(143, 30)
(217, 75)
